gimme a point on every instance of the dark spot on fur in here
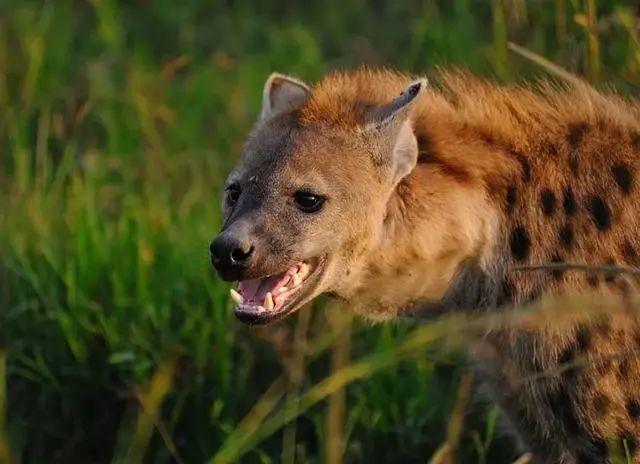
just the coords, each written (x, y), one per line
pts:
(526, 171)
(427, 155)
(425, 146)
(622, 175)
(583, 338)
(512, 194)
(562, 405)
(566, 236)
(547, 202)
(567, 359)
(575, 134)
(552, 149)
(456, 172)
(629, 253)
(487, 137)
(557, 273)
(610, 277)
(524, 164)
(592, 280)
(600, 213)
(623, 369)
(635, 140)
(569, 201)
(633, 409)
(520, 243)
(601, 404)
(567, 355)
(573, 163)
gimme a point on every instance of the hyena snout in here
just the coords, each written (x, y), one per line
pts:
(231, 254)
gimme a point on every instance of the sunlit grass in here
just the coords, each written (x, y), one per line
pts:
(457, 330)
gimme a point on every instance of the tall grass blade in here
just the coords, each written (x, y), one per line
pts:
(500, 53)
(340, 322)
(296, 375)
(447, 453)
(548, 65)
(524, 459)
(238, 439)
(341, 378)
(150, 401)
(593, 41)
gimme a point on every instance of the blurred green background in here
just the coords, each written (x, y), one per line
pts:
(118, 123)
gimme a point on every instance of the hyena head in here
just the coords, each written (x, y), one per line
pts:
(306, 203)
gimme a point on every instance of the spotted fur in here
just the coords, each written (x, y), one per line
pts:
(504, 177)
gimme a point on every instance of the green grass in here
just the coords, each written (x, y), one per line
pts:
(118, 122)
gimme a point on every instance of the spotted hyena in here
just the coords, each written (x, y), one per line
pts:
(393, 195)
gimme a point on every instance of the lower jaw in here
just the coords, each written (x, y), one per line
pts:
(249, 315)
(253, 317)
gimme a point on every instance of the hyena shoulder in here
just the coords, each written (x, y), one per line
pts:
(399, 197)
(558, 167)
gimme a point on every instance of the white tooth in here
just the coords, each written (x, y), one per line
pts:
(296, 280)
(268, 302)
(282, 289)
(304, 270)
(260, 309)
(236, 297)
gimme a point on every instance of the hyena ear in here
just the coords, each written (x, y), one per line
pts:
(282, 93)
(390, 127)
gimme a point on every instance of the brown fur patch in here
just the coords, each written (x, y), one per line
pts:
(506, 176)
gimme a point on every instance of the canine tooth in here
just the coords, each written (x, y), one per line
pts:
(296, 280)
(304, 270)
(268, 302)
(236, 297)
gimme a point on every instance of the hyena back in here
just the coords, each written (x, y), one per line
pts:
(393, 196)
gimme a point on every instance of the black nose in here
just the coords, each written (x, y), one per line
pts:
(230, 255)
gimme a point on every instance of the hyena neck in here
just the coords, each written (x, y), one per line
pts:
(439, 244)
(506, 177)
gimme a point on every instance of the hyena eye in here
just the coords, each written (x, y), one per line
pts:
(307, 201)
(233, 193)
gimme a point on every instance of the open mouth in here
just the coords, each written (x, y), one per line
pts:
(264, 300)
